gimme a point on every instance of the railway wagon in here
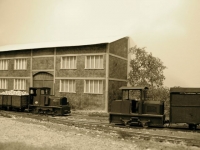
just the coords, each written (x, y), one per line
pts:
(185, 106)
(42, 102)
(19, 102)
(134, 108)
(5, 101)
(10, 102)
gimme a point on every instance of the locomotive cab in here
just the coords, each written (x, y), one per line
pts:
(39, 96)
(132, 100)
(134, 108)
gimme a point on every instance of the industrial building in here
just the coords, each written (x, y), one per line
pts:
(88, 73)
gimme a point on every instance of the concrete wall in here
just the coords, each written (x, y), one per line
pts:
(80, 99)
(80, 71)
(98, 48)
(118, 61)
(12, 74)
(19, 53)
(117, 68)
(120, 47)
(43, 63)
(43, 51)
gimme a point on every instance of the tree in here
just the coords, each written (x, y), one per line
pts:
(146, 70)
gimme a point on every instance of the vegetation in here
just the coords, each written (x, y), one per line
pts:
(147, 70)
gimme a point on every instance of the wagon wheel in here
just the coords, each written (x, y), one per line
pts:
(8, 108)
(192, 126)
(22, 109)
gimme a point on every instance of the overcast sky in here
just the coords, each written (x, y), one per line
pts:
(169, 29)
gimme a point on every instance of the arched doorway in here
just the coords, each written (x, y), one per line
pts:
(43, 79)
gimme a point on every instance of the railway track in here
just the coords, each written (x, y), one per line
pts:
(101, 124)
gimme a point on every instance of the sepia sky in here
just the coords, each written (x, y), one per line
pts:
(169, 29)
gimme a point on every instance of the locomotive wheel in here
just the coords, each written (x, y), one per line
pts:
(35, 111)
(56, 112)
(46, 112)
(8, 108)
(192, 126)
(144, 124)
(40, 111)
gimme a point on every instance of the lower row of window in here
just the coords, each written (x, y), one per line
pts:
(90, 86)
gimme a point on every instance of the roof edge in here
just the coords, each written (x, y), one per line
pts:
(80, 42)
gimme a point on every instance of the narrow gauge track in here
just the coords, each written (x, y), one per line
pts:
(98, 124)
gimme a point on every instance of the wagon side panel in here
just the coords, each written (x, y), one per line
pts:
(185, 108)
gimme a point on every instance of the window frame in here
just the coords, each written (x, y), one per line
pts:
(18, 64)
(100, 89)
(68, 66)
(4, 64)
(22, 86)
(68, 84)
(3, 86)
(101, 62)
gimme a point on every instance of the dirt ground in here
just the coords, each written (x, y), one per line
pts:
(29, 134)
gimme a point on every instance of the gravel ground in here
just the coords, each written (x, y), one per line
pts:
(29, 134)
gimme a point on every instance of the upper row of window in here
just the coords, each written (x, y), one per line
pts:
(67, 62)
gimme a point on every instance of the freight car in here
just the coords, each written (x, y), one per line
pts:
(135, 108)
(185, 106)
(16, 101)
(38, 100)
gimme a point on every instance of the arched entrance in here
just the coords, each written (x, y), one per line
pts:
(43, 79)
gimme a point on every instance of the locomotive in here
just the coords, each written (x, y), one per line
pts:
(135, 108)
(38, 100)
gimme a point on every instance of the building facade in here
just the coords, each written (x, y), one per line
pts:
(88, 75)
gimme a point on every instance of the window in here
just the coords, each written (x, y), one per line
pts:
(68, 62)
(20, 64)
(94, 86)
(3, 83)
(4, 64)
(94, 62)
(19, 84)
(68, 86)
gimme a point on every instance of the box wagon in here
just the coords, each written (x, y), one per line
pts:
(20, 102)
(5, 102)
(185, 106)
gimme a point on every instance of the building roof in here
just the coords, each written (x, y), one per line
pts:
(79, 42)
(132, 88)
(185, 90)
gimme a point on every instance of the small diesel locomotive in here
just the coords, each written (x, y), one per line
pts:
(135, 108)
(41, 101)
